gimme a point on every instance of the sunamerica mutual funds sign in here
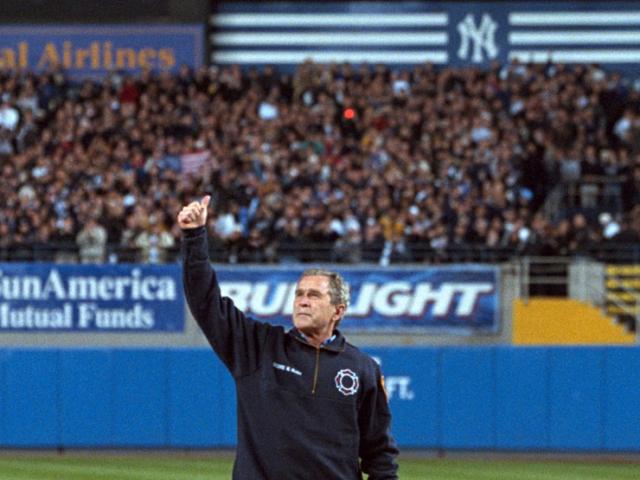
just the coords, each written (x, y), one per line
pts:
(105, 298)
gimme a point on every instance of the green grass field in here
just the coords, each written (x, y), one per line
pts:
(217, 467)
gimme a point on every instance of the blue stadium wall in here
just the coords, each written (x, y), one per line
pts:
(454, 398)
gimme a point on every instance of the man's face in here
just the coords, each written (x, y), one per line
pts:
(313, 312)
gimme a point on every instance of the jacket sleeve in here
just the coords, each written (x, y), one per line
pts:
(236, 339)
(378, 450)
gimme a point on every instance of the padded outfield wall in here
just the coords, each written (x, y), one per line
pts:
(454, 398)
(86, 385)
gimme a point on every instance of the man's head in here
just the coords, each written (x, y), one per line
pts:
(322, 297)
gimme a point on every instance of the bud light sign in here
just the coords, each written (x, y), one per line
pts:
(104, 298)
(448, 298)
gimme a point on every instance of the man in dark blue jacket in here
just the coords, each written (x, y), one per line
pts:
(310, 405)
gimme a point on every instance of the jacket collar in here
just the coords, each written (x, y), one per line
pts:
(334, 344)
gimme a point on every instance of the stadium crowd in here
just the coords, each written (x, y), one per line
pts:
(363, 163)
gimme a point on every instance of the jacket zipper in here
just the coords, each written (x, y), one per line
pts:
(315, 371)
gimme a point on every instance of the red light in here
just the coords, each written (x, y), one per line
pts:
(349, 113)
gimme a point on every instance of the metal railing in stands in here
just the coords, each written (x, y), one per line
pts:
(631, 311)
(595, 191)
(307, 252)
(544, 276)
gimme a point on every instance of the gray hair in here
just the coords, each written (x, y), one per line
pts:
(338, 287)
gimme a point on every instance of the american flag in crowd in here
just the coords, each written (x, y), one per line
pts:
(192, 162)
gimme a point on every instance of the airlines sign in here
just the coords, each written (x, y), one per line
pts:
(96, 50)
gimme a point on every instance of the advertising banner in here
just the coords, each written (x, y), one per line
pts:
(437, 32)
(94, 50)
(90, 298)
(459, 299)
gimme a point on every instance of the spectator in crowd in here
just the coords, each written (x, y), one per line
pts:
(5, 242)
(410, 165)
(229, 230)
(9, 116)
(63, 240)
(154, 243)
(348, 248)
(92, 242)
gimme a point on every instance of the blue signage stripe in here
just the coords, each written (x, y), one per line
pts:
(383, 39)
(554, 18)
(577, 55)
(358, 8)
(299, 56)
(335, 19)
(275, 49)
(577, 37)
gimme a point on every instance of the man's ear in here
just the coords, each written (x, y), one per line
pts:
(339, 312)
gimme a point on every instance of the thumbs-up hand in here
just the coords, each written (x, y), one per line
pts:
(194, 215)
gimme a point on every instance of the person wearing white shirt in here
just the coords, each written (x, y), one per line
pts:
(9, 116)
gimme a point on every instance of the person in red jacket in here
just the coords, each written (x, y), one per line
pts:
(310, 405)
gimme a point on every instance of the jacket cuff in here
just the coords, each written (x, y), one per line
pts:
(193, 232)
(195, 245)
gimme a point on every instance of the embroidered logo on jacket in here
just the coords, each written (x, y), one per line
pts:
(347, 382)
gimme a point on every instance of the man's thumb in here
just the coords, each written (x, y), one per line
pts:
(205, 201)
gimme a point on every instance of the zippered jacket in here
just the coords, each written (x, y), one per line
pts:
(303, 412)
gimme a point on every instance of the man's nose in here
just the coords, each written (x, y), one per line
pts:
(303, 300)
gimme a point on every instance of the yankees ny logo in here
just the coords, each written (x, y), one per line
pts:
(482, 37)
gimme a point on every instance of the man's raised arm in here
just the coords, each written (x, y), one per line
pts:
(236, 339)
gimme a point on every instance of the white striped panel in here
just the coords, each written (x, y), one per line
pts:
(576, 56)
(249, 20)
(575, 18)
(293, 57)
(574, 37)
(328, 38)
